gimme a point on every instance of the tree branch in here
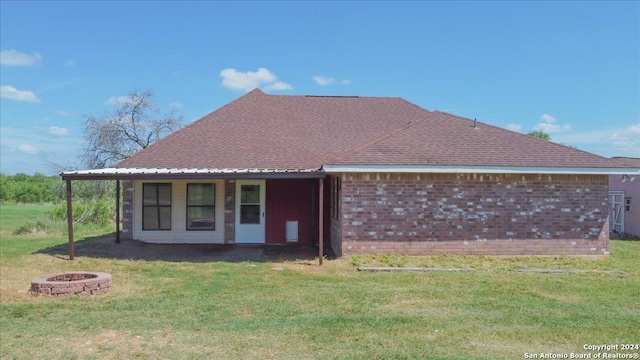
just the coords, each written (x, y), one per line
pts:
(133, 125)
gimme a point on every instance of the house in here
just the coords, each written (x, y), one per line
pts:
(624, 199)
(364, 175)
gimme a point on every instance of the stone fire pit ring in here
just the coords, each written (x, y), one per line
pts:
(71, 283)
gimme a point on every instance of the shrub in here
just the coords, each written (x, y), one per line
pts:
(39, 227)
(99, 212)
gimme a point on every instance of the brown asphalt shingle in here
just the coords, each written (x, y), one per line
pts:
(305, 132)
(445, 139)
(627, 161)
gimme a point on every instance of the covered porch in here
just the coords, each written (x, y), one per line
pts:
(230, 207)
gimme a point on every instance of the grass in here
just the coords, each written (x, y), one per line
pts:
(184, 310)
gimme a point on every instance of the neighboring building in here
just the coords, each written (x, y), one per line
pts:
(624, 199)
(366, 175)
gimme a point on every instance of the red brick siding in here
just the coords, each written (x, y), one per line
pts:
(229, 211)
(474, 214)
(127, 210)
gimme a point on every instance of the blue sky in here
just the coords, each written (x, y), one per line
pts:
(569, 68)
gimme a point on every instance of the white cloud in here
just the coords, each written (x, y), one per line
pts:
(628, 138)
(63, 113)
(548, 118)
(514, 127)
(323, 80)
(58, 131)
(16, 58)
(624, 141)
(69, 63)
(247, 81)
(549, 125)
(634, 129)
(176, 105)
(279, 85)
(21, 158)
(119, 100)
(27, 149)
(9, 92)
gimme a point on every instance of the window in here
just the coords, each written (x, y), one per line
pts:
(250, 204)
(627, 204)
(156, 206)
(335, 197)
(201, 211)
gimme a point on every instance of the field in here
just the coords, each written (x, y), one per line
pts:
(161, 309)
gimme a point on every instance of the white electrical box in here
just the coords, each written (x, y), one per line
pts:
(292, 231)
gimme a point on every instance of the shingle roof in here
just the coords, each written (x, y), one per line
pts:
(445, 139)
(258, 131)
(628, 161)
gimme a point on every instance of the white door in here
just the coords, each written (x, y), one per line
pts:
(250, 219)
(616, 213)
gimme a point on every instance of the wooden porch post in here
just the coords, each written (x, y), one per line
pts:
(320, 221)
(117, 211)
(70, 219)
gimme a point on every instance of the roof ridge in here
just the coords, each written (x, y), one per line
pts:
(625, 157)
(340, 97)
(334, 96)
(382, 137)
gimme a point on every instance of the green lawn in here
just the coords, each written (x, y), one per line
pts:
(183, 310)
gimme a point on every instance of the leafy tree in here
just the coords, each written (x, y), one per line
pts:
(29, 188)
(540, 134)
(4, 192)
(133, 124)
(38, 188)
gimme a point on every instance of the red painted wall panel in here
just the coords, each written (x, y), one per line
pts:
(291, 200)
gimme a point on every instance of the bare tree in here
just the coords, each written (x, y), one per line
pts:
(134, 124)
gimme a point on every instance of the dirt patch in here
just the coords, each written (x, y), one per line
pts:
(114, 341)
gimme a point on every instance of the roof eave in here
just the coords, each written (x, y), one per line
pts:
(459, 169)
(189, 174)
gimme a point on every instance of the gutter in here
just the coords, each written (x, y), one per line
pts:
(463, 169)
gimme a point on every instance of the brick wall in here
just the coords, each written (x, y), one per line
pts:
(127, 210)
(229, 211)
(474, 214)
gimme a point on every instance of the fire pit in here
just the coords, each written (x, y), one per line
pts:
(71, 283)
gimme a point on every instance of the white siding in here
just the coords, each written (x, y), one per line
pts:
(178, 233)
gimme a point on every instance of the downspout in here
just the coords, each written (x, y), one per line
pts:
(117, 211)
(320, 220)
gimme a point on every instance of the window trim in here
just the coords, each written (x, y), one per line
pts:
(187, 206)
(157, 207)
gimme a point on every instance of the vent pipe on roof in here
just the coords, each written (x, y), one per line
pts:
(475, 123)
